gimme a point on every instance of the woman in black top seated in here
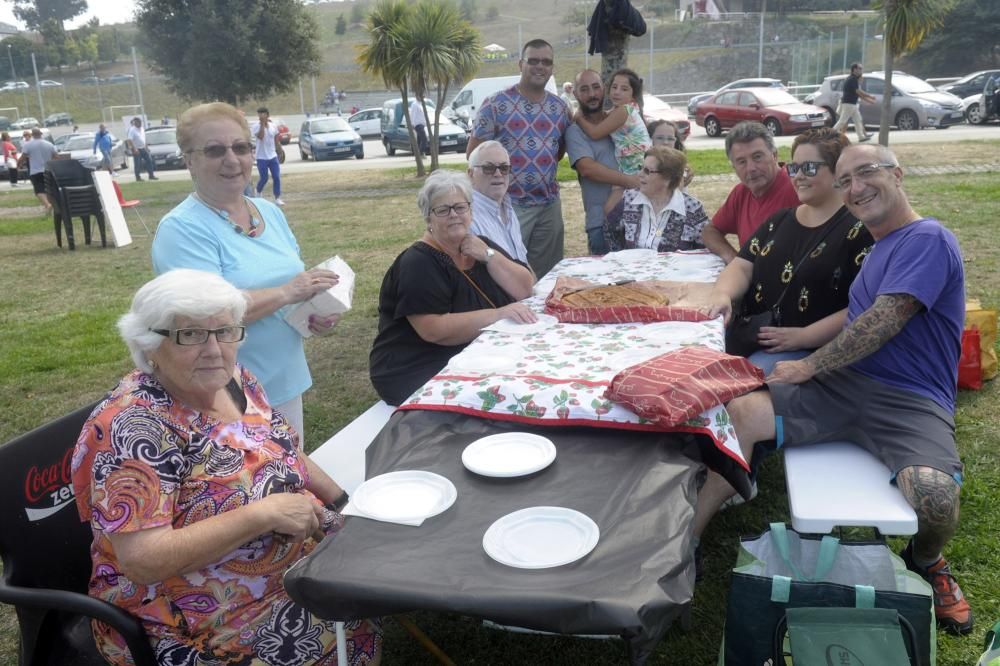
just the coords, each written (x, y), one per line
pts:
(800, 261)
(441, 291)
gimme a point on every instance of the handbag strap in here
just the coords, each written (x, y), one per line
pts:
(824, 562)
(830, 224)
(434, 244)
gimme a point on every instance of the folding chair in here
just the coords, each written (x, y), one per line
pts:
(46, 553)
(130, 203)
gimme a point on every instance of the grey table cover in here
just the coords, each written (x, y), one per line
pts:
(640, 489)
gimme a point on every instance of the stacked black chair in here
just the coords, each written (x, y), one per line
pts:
(72, 192)
(46, 553)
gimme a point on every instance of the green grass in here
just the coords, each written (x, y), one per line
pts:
(60, 350)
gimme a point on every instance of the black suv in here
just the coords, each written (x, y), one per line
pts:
(58, 119)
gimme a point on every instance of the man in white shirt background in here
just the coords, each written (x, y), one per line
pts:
(265, 132)
(419, 121)
(493, 215)
(140, 151)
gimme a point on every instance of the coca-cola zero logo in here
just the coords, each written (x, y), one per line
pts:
(53, 483)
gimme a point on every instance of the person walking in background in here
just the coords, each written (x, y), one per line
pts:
(265, 134)
(34, 155)
(9, 158)
(140, 152)
(990, 97)
(419, 120)
(530, 122)
(102, 142)
(848, 108)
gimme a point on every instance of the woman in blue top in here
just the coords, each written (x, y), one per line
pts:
(248, 242)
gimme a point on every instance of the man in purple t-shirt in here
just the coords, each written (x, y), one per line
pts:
(530, 123)
(887, 382)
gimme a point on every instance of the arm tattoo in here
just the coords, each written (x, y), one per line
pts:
(934, 497)
(873, 328)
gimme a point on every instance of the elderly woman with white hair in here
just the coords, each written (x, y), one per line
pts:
(441, 291)
(199, 494)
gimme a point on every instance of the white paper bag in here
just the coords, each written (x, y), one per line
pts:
(335, 300)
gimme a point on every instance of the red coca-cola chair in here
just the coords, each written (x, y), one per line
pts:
(46, 553)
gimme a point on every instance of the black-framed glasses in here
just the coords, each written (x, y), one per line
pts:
(198, 336)
(863, 172)
(649, 171)
(490, 169)
(535, 62)
(218, 150)
(461, 208)
(809, 168)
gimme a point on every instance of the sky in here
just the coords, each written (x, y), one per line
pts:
(108, 11)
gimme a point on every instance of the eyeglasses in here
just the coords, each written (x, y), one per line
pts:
(809, 168)
(863, 172)
(186, 337)
(218, 150)
(460, 208)
(535, 62)
(490, 169)
(650, 171)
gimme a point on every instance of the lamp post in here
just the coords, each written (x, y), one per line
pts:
(13, 75)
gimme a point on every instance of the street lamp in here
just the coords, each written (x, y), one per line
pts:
(13, 74)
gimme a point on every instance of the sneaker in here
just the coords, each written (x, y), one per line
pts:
(950, 607)
(153, 178)
(737, 499)
(279, 201)
(138, 180)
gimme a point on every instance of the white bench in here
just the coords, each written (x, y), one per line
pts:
(838, 484)
(343, 455)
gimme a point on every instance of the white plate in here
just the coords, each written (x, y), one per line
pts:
(630, 357)
(635, 254)
(404, 495)
(541, 537)
(484, 362)
(678, 332)
(509, 454)
(510, 326)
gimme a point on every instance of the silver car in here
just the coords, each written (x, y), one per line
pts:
(81, 149)
(916, 104)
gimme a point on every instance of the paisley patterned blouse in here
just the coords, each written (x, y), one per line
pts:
(145, 461)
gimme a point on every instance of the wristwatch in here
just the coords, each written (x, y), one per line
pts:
(490, 252)
(339, 502)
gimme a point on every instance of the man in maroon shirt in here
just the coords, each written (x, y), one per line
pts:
(764, 188)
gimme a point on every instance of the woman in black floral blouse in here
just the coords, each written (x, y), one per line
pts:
(801, 261)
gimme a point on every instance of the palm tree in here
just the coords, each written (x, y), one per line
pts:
(907, 22)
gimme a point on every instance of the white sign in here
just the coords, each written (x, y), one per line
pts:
(113, 216)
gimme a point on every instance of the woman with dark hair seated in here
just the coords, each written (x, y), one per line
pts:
(200, 496)
(441, 291)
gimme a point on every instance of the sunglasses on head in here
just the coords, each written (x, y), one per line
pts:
(490, 169)
(808, 168)
(218, 150)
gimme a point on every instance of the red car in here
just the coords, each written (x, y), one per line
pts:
(284, 134)
(778, 110)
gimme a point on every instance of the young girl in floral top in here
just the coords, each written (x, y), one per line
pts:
(624, 123)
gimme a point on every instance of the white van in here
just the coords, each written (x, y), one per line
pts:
(468, 100)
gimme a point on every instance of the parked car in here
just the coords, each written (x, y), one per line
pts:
(915, 103)
(973, 105)
(15, 85)
(778, 110)
(61, 140)
(970, 84)
(54, 119)
(284, 134)
(5, 123)
(162, 144)
(654, 108)
(739, 83)
(91, 80)
(81, 149)
(48, 83)
(396, 136)
(367, 122)
(120, 78)
(27, 122)
(329, 137)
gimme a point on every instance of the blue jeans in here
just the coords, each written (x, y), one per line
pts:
(766, 360)
(142, 158)
(272, 166)
(596, 244)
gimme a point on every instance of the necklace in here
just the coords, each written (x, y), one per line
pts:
(255, 218)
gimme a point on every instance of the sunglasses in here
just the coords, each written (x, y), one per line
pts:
(490, 169)
(808, 168)
(535, 62)
(218, 150)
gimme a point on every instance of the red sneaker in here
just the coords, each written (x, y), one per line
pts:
(950, 607)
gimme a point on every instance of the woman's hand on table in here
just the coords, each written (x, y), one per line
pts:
(720, 305)
(519, 312)
(473, 246)
(774, 339)
(295, 517)
(308, 283)
(323, 325)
